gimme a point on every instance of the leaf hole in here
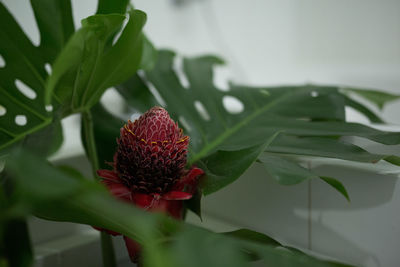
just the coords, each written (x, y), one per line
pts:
(25, 89)
(2, 62)
(135, 116)
(221, 76)
(177, 66)
(21, 120)
(314, 94)
(114, 103)
(232, 104)
(48, 68)
(119, 33)
(201, 110)
(2, 165)
(265, 92)
(152, 89)
(49, 108)
(184, 123)
(3, 110)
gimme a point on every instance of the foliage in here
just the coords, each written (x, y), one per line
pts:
(275, 127)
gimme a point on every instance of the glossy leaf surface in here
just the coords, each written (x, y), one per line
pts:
(90, 63)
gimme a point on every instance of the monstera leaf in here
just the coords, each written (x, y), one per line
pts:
(309, 119)
(23, 76)
(83, 63)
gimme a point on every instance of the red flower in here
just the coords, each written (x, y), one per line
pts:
(149, 168)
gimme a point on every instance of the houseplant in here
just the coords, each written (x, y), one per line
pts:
(275, 121)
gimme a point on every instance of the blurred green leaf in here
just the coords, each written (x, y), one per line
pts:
(106, 129)
(113, 6)
(17, 242)
(55, 23)
(379, 98)
(47, 140)
(84, 201)
(136, 94)
(88, 65)
(52, 184)
(337, 185)
(249, 235)
(207, 250)
(149, 56)
(272, 253)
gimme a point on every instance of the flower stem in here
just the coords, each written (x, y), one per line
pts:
(107, 247)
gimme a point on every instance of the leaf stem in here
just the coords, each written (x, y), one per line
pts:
(107, 247)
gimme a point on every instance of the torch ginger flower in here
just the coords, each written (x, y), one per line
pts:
(149, 168)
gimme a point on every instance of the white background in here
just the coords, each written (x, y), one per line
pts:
(345, 42)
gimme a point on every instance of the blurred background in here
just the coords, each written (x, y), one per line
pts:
(274, 42)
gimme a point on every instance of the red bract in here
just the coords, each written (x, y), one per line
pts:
(149, 168)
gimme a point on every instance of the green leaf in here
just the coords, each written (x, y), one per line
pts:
(249, 235)
(284, 171)
(395, 160)
(90, 204)
(330, 129)
(17, 243)
(24, 62)
(88, 65)
(207, 250)
(321, 147)
(224, 167)
(55, 23)
(112, 6)
(363, 110)
(53, 184)
(45, 141)
(377, 97)
(136, 94)
(106, 129)
(260, 246)
(337, 185)
(288, 172)
(194, 204)
(304, 114)
(149, 57)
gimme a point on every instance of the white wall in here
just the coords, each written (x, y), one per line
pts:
(268, 42)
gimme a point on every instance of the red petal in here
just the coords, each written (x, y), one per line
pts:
(175, 209)
(177, 195)
(133, 249)
(143, 201)
(189, 181)
(120, 191)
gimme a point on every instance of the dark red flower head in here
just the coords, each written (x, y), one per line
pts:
(149, 168)
(151, 153)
